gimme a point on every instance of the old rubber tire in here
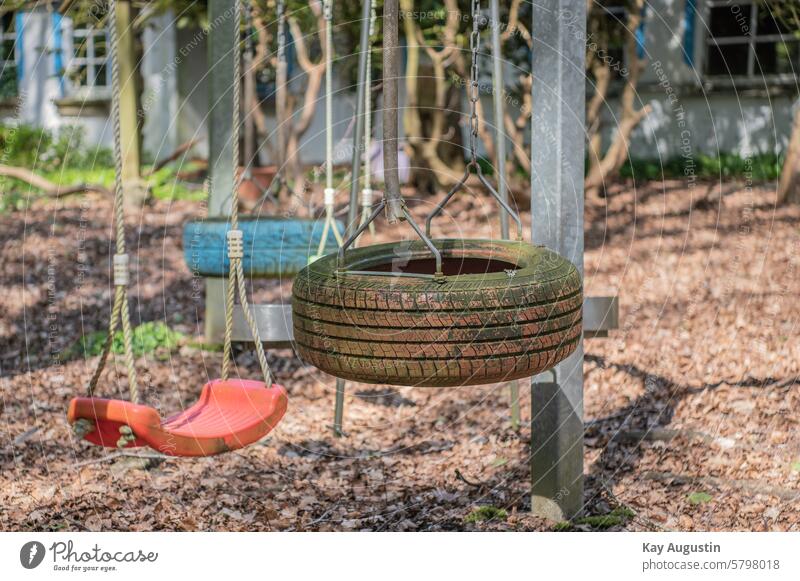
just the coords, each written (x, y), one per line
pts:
(273, 247)
(506, 310)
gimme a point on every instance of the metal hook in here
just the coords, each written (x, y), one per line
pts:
(340, 261)
(461, 184)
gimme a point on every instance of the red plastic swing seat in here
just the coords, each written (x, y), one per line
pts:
(229, 415)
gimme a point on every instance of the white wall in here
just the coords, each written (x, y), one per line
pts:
(160, 98)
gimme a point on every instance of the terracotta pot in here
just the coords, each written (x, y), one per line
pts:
(261, 178)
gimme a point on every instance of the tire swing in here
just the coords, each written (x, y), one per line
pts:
(274, 247)
(231, 413)
(436, 313)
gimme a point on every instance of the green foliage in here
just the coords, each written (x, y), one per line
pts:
(65, 158)
(795, 466)
(44, 151)
(147, 338)
(486, 513)
(759, 168)
(12, 201)
(165, 185)
(699, 498)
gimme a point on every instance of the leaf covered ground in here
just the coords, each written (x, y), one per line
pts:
(692, 406)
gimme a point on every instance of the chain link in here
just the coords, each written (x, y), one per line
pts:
(474, 45)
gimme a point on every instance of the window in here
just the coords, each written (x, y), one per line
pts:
(87, 70)
(608, 33)
(746, 41)
(8, 58)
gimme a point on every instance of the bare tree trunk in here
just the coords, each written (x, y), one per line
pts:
(425, 141)
(134, 187)
(261, 58)
(314, 73)
(789, 185)
(603, 167)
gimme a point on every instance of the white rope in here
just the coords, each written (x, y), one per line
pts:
(366, 192)
(119, 309)
(329, 200)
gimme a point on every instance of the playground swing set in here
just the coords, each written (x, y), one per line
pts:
(432, 312)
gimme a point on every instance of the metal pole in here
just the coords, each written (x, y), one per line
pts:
(391, 73)
(557, 158)
(220, 154)
(328, 94)
(498, 94)
(352, 212)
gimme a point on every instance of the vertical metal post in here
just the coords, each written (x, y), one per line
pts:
(352, 212)
(557, 160)
(498, 94)
(361, 95)
(391, 73)
(220, 155)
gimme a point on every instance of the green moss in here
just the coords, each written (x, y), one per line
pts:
(486, 513)
(617, 517)
(212, 347)
(699, 498)
(796, 466)
(562, 526)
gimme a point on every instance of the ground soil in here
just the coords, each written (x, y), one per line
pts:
(691, 406)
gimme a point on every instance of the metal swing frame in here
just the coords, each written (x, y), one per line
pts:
(557, 219)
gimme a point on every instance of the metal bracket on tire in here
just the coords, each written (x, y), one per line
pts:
(340, 263)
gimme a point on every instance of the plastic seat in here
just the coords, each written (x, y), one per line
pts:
(229, 415)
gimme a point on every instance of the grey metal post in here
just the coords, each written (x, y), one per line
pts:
(557, 159)
(500, 150)
(220, 151)
(352, 212)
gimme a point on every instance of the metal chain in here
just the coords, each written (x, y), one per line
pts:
(474, 45)
(119, 310)
(236, 280)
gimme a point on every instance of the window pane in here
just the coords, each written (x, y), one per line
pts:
(726, 60)
(7, 22)
(80, 76)
(8, 82)
(80, 47)
(100, 45)
(7, 50)
(100, 78)
(776, 58)
(768, 23)
(728, 21)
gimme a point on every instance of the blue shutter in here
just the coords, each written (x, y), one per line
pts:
(689, 13)
(58, 51)
(19, 47)
(640, 34)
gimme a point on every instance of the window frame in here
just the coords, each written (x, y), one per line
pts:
(5, 36)
(751, 40)
(72, 37)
